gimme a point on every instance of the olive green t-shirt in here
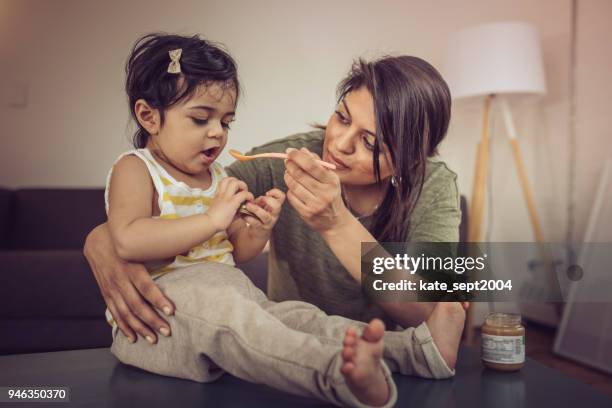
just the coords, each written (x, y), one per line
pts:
(302, 266)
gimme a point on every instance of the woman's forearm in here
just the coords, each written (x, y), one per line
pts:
(345, 241)
(127, 288)
(99, 245)
(148, 239)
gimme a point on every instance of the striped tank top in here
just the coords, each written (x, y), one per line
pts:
(176, 200)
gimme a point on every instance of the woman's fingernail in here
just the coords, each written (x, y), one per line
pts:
(131, 340)
(150, 339)
(167, 310)
(164, 331)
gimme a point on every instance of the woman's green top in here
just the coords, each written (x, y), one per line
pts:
(301, 264)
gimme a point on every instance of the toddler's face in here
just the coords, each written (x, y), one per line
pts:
(195, 130)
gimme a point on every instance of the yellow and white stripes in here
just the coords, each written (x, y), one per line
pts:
(176, 200)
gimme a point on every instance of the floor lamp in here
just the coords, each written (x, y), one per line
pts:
(493, 62)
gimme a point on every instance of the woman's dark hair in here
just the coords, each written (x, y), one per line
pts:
(147, 77)
(412, 108)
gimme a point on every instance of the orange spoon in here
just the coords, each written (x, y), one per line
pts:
(239, 156)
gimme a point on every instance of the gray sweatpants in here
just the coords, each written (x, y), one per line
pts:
(223, 323)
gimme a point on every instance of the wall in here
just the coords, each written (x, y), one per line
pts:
(62, 66)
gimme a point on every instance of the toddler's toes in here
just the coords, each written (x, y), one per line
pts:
(347, 368)
(349, 340)
(348, 353)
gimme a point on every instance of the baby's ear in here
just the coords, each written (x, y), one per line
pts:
(147, 116)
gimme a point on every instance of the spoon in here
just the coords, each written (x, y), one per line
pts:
(239, 156)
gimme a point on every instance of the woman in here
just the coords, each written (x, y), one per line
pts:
(392, 114)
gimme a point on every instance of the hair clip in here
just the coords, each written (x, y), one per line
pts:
(175, 66)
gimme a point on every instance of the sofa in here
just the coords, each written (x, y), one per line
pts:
(49, 299)
(48, 296)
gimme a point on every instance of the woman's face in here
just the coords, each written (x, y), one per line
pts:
(349, 140)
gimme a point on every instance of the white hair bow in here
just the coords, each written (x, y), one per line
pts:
(175, 66)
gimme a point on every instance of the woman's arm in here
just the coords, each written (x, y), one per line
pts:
(315, 194)
(127, 288)
(345, 240)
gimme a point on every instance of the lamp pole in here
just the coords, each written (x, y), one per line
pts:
(477, 204)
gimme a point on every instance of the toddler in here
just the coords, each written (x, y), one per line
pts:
(171, 206)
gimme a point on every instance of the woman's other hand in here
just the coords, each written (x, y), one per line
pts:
(127, 288)
(314, 191)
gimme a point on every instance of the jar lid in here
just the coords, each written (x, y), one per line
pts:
(503, 319)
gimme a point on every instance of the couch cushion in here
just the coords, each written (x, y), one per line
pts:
(55, 218)
(48, 284)
(6, 201)
(40, 335)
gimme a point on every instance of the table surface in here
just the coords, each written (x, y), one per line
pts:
(97, 379)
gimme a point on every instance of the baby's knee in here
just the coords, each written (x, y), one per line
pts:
(125, 351)
(171, 357)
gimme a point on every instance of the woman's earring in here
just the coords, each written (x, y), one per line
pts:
(394, 182)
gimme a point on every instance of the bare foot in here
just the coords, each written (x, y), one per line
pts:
(362, 367)
(446, 325)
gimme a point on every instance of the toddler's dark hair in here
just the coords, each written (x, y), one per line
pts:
(147, 77)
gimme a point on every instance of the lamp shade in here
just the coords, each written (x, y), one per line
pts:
(495, 58)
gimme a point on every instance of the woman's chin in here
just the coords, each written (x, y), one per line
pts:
(344, 177)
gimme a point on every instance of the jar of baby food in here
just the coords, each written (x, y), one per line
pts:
(503, 342)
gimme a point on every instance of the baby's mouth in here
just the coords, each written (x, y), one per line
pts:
(210, 152)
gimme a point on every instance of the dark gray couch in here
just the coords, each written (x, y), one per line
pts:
(49, 299)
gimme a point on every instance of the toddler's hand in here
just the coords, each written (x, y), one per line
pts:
(231, 193)
(267, 209)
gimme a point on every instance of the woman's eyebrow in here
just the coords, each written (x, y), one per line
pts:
(349, 113)
(346, 107)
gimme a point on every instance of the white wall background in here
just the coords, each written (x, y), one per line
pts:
(62, 62)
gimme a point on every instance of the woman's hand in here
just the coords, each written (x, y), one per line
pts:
(231, 193)
(314, 191)
(127, 289)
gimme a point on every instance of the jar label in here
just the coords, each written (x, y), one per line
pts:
(503, 349)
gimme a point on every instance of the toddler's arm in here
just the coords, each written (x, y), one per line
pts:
(137, 236)
(250, 236)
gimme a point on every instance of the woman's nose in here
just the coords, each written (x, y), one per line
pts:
(344, 143)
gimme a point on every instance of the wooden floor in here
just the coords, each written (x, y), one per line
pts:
(539, 345)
